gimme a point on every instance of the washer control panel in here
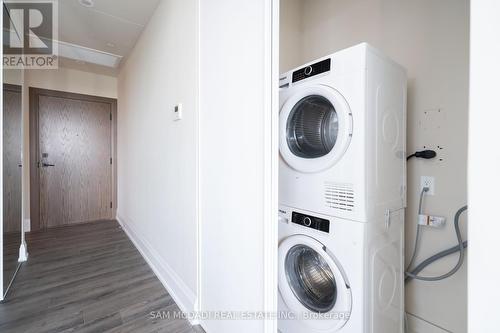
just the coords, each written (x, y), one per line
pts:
(311, 222)
(311, 70)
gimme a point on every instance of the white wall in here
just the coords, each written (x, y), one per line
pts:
(290, 34)
(72, 80)
(157, 157)
(13, 76)
(429, 38)
(238, 159)
(484, 163)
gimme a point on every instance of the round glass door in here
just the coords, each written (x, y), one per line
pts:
(315, 128)
(311, 282)
(312, 127)
(311, 279)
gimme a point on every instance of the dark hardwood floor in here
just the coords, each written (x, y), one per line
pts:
(87, 278)
(11, 242)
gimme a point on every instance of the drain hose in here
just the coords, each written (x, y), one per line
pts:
(412, 273)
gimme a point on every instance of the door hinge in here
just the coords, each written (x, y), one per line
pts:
(111, 116)
(110, 160)
(111, 204)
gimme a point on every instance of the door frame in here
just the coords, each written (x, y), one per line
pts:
(34, 137)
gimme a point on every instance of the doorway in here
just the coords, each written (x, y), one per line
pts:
(72, 158)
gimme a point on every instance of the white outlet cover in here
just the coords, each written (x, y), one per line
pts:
(427, 181)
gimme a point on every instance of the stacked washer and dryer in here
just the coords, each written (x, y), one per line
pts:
(342, 194)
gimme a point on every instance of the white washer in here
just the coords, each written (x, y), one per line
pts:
(337, 275)
(342, 134)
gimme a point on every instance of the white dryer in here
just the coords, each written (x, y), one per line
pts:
(342, 134)
(338, 275)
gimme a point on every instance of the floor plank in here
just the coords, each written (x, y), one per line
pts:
(87, 278)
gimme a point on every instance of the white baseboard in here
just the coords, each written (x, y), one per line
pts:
(23, 252)
(178, 290)
(418, 325)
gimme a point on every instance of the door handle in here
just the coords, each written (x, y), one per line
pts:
(47, 165)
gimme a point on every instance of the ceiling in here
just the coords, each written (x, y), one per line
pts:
(112, 26)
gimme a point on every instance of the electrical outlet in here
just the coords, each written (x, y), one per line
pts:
(427, 181)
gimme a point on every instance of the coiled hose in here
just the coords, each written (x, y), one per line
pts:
(412, 273)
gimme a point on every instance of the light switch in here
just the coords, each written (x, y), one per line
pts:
(178, 112)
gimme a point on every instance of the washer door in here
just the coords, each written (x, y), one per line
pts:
(315, 129)
(312, 283)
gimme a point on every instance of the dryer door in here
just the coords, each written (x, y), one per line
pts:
(313, 284)
(315, 128)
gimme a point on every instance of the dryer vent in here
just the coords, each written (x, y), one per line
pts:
(339, 196)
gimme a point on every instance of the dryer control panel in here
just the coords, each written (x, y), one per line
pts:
(314, 69)
(311, 222)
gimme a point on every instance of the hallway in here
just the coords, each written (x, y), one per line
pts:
(87, 278)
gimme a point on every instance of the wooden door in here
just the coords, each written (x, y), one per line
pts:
(74, 160)
(12, 172)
